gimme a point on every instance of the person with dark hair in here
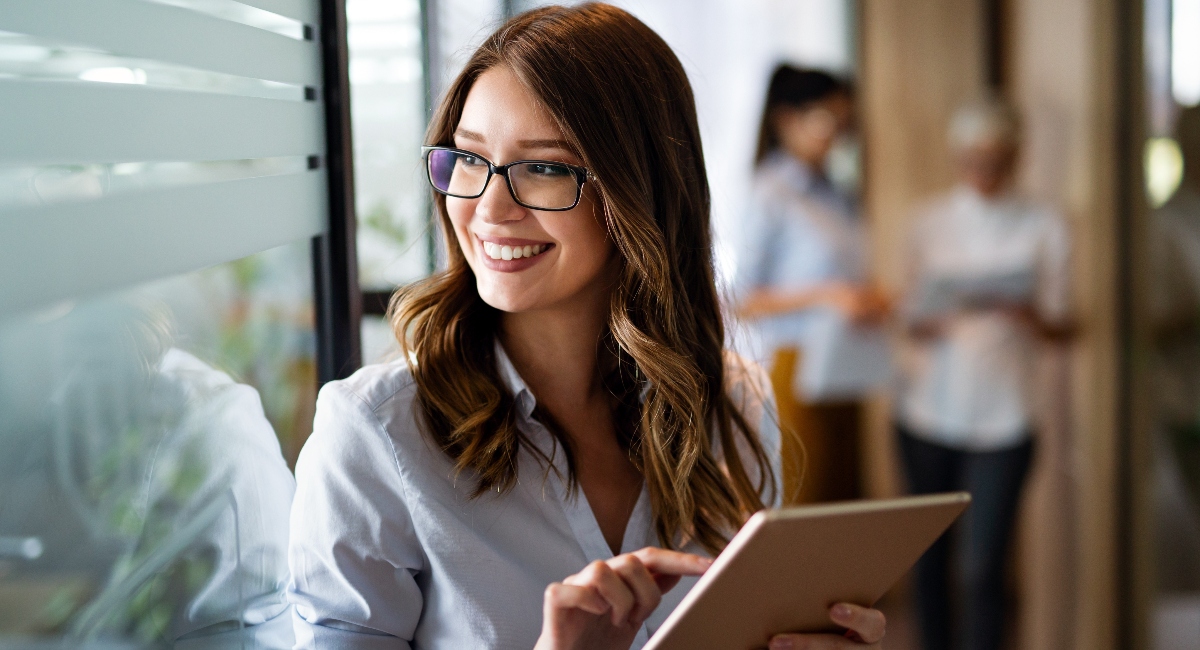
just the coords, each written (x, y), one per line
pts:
(565, 440)
(802, 275)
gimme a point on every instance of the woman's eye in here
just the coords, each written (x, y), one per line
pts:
(471, 161)
(539, 169)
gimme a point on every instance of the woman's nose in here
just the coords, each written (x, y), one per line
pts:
(497, 204)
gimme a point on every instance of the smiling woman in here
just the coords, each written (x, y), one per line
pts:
(564, 422)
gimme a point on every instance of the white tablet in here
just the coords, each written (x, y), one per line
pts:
(786, 567)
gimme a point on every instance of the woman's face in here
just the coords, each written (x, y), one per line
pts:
(808, 133)
(987, 166)
(570, 251)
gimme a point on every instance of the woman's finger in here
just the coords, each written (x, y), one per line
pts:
(641, 582)
(664, 562)
(600, 577)
(869, 624)
(564, 596)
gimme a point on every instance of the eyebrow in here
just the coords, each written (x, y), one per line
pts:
(551, 143)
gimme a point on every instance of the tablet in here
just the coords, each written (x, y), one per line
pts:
(786, 567)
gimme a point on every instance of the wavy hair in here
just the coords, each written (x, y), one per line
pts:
(623, 101)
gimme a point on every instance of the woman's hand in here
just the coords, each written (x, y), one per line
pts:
(864, 629)
(860, 304)
(603, 606)
(864, 305)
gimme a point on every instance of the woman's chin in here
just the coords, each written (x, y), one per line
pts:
(512, 302)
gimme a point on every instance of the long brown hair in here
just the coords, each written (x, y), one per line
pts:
(622, 100)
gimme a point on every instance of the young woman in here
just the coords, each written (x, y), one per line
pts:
(565, 439)
(803, 263)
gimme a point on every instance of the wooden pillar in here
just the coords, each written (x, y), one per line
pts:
(921, 59)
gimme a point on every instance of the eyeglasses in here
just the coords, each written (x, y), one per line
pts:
(534, 184)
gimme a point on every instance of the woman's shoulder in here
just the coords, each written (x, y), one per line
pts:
(375, 385)
(372, 409)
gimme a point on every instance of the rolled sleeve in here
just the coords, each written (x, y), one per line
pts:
(353, 552)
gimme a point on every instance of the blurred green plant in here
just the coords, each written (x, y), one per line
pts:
(381, 220)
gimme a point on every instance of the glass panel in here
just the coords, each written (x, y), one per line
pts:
(27, 57)
(388, 104)
(1172, 171)
(145, 446)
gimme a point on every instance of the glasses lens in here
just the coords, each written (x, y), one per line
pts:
(457, 174)
(544, 185)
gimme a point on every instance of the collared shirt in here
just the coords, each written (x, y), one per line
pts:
(388, 550)
(971, 387)
(799, 232)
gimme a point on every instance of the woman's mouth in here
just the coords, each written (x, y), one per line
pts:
(509, 254)
(506, 252)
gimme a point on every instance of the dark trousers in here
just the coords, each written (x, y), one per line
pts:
(960, 579)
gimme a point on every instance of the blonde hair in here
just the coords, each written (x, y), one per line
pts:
(989, 119)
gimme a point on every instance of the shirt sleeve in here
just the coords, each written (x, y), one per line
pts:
(756, 252)
(353, 552)
(1053, 299)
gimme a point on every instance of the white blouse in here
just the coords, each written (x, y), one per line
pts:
(387, 550)
(972, 388)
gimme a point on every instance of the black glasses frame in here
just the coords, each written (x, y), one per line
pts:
(581, 176)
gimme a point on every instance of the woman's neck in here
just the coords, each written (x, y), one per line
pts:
(555, 351)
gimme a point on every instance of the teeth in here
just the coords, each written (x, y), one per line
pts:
(498, 252)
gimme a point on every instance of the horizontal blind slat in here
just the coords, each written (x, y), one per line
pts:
(57, 122)
(165, 33)
(73, 250)
(306, 11)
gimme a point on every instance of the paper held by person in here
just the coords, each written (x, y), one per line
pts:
(843, 360)
(939, 294)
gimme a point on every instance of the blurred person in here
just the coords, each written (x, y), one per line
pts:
(152, 478)
(987, 282)
(802, 270)
(1175, 317)
(565, 438)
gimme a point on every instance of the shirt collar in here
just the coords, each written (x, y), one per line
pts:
(1002, 200)
(513, 382)
(520, 390)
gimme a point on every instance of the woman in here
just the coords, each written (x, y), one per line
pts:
(802, 273)
(565, 440)
(988, 280)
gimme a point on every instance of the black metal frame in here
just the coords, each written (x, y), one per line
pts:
(335, 263)
(581, 176)
(1129, 97)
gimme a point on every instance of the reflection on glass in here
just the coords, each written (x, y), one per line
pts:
(144, 497)
(41, 185)
(27, 57)
(242, 13)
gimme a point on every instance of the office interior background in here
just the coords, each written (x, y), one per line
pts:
(200, 196)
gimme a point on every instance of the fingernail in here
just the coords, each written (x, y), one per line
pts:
(841, 611)
(782, 643)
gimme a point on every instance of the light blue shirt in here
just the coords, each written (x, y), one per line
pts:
(388, 550)
(799, 232)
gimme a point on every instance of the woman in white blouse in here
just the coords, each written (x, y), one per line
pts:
(988, 279)
(565, 439)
